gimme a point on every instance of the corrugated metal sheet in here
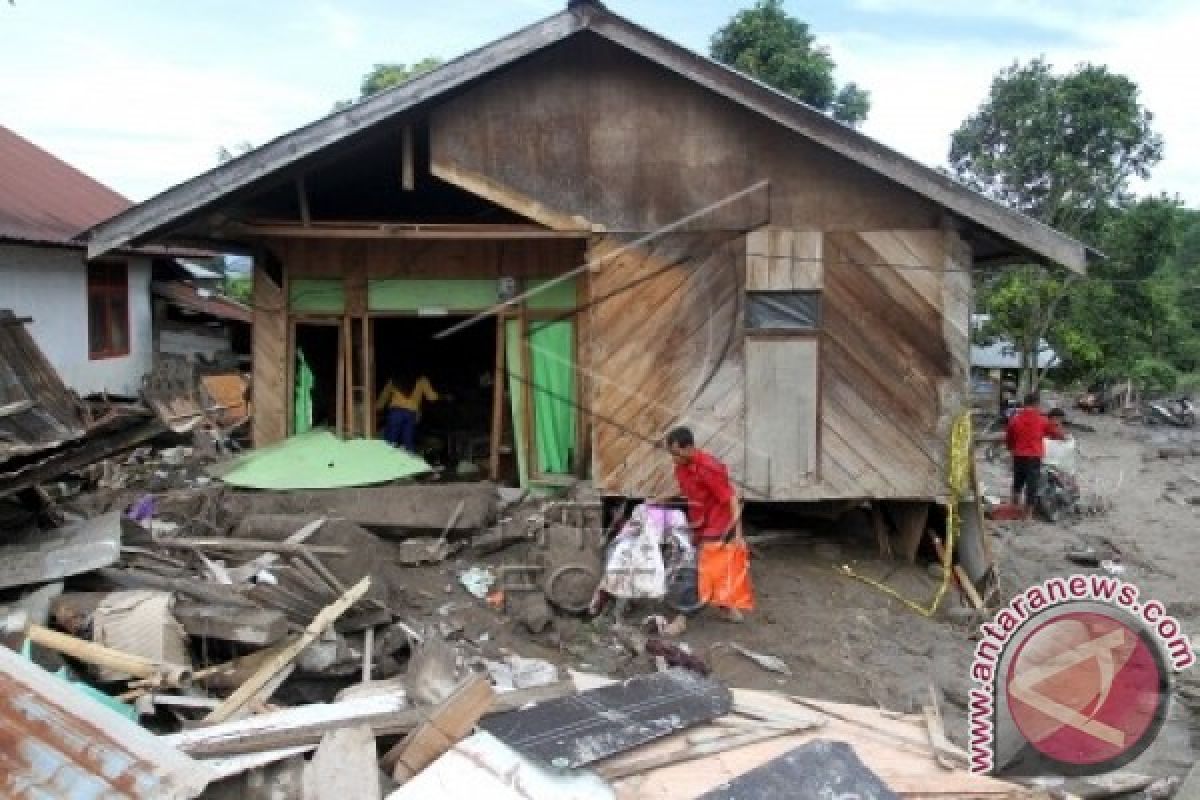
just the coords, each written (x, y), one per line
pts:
(203, 301)
(45, 199)
(54, 743)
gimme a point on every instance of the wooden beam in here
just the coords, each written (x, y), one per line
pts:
(408, 168)
(507, 197)
(498, 387)
(406, 230)
(302, 201)
(288, 653)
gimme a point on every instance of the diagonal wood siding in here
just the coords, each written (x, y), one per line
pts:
(893, 360)
(665, 349)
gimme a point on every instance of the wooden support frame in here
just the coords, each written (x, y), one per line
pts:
(498, 390)
(400, 230)
(294, 321)
(408, 167)
(302, 202)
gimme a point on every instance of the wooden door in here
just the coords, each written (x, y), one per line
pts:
(781, 415)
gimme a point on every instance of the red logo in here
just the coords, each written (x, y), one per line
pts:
(1087, 691)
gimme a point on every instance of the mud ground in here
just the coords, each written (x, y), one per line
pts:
(845, 640)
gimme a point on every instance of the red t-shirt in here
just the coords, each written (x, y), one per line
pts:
(1027, 433)
(705, 483)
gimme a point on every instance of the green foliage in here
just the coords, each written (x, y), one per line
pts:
(773, 46)
(239, 287)
(385, 76)
(1063, 149)
(1155, 375)
(1057, 147)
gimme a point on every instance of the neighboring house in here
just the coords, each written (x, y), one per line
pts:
(93, 321)
(793, 290)
(1001, 355)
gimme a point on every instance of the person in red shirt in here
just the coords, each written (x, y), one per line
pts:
(714, 515)
(1026, 436)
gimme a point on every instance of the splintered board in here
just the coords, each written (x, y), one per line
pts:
(820, 769)
(573, 731)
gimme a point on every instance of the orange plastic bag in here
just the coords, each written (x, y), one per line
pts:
(724, 575)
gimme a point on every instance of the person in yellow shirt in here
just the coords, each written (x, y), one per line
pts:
(403, 410)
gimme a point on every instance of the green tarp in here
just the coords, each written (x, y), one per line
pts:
(552, 349)
(317, 296)
(417, 294)
(302, 405)
(552, 385)
(320, 460)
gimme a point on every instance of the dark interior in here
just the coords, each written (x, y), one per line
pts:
(319, 344)
(461, 368)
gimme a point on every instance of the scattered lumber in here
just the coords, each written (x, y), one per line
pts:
(448, 724)
(260, 627)
(241, 545)
(288, 653)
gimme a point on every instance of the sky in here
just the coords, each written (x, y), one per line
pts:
(140, 94)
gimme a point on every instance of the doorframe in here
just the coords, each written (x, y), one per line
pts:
(321, 320)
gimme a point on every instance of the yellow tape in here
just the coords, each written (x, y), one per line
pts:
(958, 474)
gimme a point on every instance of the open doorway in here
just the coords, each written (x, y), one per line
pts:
(455, 430)
(317, 387)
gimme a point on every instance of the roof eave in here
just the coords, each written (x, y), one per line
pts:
(166, 209)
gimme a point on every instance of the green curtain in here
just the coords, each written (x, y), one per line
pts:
(302, 418)
(514, 362)
(552, 351)
(552, 386)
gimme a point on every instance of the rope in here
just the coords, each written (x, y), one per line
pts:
(957, 478)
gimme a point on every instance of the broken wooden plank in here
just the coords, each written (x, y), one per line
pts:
(636, 764)
(947, 755)
(259, 626)
(287, 654)
(289, 727)
(204, 592)
(968, 588)
(344, 767)
(106, 657)
(45, 556)
(255, 545)
(448, 724)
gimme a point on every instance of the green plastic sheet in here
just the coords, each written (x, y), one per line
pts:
(320, 460)
(514, 360)
(552, 351)
(302, 415)
(552, 386)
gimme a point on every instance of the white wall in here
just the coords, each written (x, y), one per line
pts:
(194, 343)
(50, 285)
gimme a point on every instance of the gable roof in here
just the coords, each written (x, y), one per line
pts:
(171, 208)
(43, 199)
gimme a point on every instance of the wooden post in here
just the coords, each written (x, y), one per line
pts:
(368, 378)
(348, 355)
(498, 387)
(302, 201)
(408, 168)
(532, 467)
(341, 386)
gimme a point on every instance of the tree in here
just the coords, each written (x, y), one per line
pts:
(1062, 149)
(773, 46)
(385, 76)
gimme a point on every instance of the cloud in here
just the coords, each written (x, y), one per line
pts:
(140, 127)
(343, 28)
(923, 88)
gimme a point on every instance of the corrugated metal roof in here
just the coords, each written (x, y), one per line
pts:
(203, 301)
(56, 743)
(45, 199)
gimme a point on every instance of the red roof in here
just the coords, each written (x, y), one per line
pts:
(45, 199)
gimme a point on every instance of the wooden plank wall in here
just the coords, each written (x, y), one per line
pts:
(329, 258)
(889, 372)
(665, 348)
(270, 351)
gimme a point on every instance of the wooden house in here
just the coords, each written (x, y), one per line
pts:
(607, 235)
